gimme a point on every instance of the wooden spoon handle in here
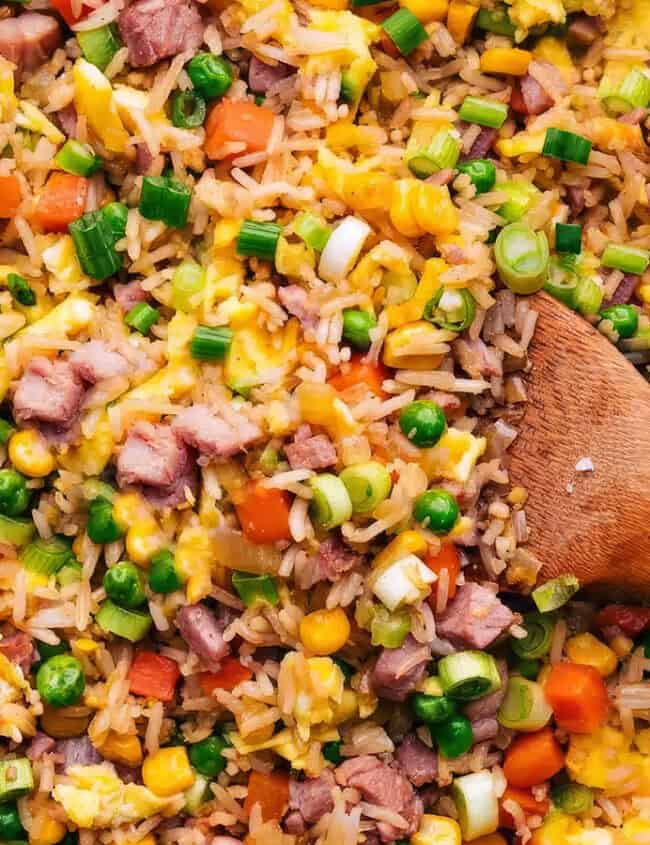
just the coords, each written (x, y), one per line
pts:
(585, 401)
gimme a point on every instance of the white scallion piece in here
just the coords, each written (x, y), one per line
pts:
(342, 249)
(404, 582)
(477, 804)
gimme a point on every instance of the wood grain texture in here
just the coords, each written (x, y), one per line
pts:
(585, 401)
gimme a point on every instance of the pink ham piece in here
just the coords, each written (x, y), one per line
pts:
(583, 30)
(127, 296)
(262, 76)
(95, 361)
(215, 435)
(19, 649)
(309, 800)
(30, 39)
(309, 451)
(157, 29)
(398, 671)
(203, 632)
(419, 763)
(296, 301)
(528, 97)
(475, 618)
(49, 391)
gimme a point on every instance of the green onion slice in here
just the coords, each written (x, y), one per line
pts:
(525, 707)
(441, 153)
(313, 230)
(330, 505)
(522, 258)
(142, 317)
(99, 45)
(573, 798)
(210, 344)
(188, 109)
(484, 112)
(451, 309)
(165, 198)
(555, 593)
(259, 240)
(632, 93)
(563, 280)
(20, 290)
(93, 240)
(254, 590)
(568, 238)
(7, 430)
(389, 629)
(46, 556)
(15, 531)
(468, 675)
(69, 574)
(589, 296)
(482, 172)
(16, 778)
(367, 484)
(539, 633)
(405, 31)
(495, 20)
(521, 198)
(116, 214)
(78, 159)
(629, 259)
(132, 625)
(567, 146)
(188, 282)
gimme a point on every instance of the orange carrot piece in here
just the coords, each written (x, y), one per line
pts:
(270, 791)
(63, 200)
(10, 196)
(447, 559)
(360, 371)
(154, 676)
(64, 8)
(264, 514)
(578, 696)
(532, 759)
(231, 674)
(528, 804)
(237, 121)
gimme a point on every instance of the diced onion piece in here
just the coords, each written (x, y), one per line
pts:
(477, 804)
(404, 582)
(342, 249)
(525, 707)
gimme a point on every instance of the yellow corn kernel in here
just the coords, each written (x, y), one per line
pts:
(427, 10)
(508, 60)
(30, 454)
(44, 830)
(643, 292)
(85, 645)
(413, 309)
(406, 543)
(194, 559)
(122, 748)
(407, 347)
(94, 452)
(343, 135)
(325, 631)
(401, 214)
(437, 830)
(622, 646)
(433, 209)
(143, 540)
(590, 651)
(347, 708)
(366, 191)
(168, 771)
(460, 19)
(128, 508)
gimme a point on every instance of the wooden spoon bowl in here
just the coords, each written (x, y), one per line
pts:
(585, 400)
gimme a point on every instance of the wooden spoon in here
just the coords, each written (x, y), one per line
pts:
(585, 400)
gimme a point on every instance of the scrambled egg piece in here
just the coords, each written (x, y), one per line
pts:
(455, 455)
(96, 798)
(289, 745)
(560, 829)
(318, 684)
(359, 34)
(526, 14)
(605, 760)
(60, 258)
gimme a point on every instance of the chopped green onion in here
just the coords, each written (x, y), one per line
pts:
(16, 778)
(332, 749)
(522, 258)
(555, 593)
(450, 309)
(482, 172)
(568, 238)
(524, 707)
(210, 344)
(165, 198)
(46, 557)
(69, 574)
(467, 675)
(367, 484)
(102, 527)
(528, 668)
(539, 633)
(15, 532)
(628, 259)
(521, 198)
(94, 240)
(20, 290)
(484, 112)
(573, 798)
(142, 317)
(269, 460)
(99, 45)
(77, 159)
(476, 803)
(254, 590)
(441, 153)
(116, 213)
(567, 146)
(258, 239)
(7, 431)
(164, 577)
(132, 625)
(188, 282)
(632, 93)
(197, 795)
(432, 709)
(589, 296)
(211, 75)
(624, 319)
(188, 109)
(330, 505)
(405, 31)
(495, 20)
(389, 629)
(312, 229)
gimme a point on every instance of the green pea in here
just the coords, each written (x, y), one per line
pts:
(206, 756)
(528, 667)
(482, 172)
(432, 709)
(356, 328)
(163, 575)
(60, 680)
(102, 527)
(332, 752)
(211, 75)
(454, 737)
(624, 318)
(10, 826)
(14, 495)
(436, 510)
(423, 422)
(124, 585)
